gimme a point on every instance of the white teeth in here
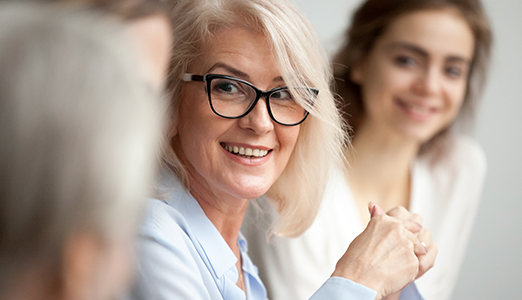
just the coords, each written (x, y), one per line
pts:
(246, 151)
(417, 109)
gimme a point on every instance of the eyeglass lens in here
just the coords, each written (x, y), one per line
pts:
(231, 98)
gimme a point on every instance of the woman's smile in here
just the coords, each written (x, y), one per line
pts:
(246, 151)
(247, 155)
(420, 111)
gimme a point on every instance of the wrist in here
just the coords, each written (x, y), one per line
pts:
(359, 278)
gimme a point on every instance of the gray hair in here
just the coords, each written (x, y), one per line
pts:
(79, 129)
(301, 60)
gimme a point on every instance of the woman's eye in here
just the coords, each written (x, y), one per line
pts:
(454, 72)
(226, 87)
(403, 60)
(281, 95)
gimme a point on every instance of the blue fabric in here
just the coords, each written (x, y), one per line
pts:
(340, 288)
(411, 292)
(183, 256)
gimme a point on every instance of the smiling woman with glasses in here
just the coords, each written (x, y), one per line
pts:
(253, 117)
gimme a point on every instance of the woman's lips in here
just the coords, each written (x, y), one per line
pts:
(245, 152)
(419, 112)
(264, 155)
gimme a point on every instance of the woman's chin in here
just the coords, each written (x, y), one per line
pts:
(252, 193)
(416, 134)
(249, 190)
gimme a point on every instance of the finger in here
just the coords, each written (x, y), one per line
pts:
(399, 212)
(427, 261)
(426, 239)
(418, 248)
(412, 227)
(402, 213)
(375, 209)
(425, 236)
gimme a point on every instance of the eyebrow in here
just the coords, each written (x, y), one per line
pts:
(237, 73)
(421, 52)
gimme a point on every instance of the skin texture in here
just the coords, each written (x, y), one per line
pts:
(221, 182)
(386, 255)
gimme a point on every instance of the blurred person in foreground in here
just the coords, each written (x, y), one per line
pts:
(252, 114)
(80, 127)
(410, 74)
(148, 27)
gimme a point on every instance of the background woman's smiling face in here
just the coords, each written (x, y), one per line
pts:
(202, 136)
(414, 80)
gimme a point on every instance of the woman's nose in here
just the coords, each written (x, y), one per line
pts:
(428, 82)
(258, 120)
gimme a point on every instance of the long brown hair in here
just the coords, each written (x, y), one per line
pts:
(370, 21)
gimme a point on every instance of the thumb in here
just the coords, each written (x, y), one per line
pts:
(375, 209)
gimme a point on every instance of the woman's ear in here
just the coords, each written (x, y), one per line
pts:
(357, 72)
(173, 128)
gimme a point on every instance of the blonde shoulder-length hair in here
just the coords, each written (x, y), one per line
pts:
(297, 193)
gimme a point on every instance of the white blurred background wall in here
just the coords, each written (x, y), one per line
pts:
(493, 265)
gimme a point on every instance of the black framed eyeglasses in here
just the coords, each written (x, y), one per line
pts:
(233, 98)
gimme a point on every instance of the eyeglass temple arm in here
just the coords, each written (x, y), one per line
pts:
(191, 77)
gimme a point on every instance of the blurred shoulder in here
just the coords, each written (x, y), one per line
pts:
(464, 152)
(460, 171)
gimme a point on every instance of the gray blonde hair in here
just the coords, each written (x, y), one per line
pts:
(79, 129)
(297, 194)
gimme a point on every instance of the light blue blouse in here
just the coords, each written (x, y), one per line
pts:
(183, 256)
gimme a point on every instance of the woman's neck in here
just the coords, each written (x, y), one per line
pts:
(224, 211)
(379, 169)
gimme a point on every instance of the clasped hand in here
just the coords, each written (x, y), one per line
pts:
(390, 253)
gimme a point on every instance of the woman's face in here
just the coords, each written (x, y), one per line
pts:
(202, 136)
(414, 79)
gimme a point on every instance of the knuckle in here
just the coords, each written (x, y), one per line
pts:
(407, 246)
(393, 212)
(402, 209)
(417, 218)
(424, 267)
